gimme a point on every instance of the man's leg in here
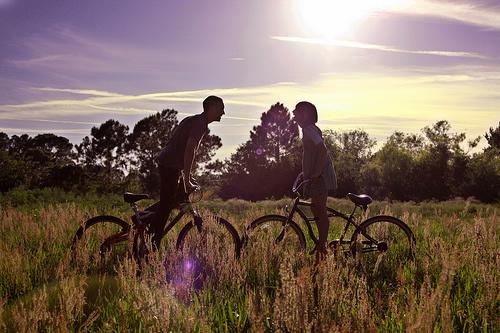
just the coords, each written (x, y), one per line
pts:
(318, 207)
(169, 182)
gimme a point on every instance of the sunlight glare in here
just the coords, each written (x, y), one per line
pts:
(331, 18)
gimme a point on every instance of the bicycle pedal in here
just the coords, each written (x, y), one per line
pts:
(338, 241)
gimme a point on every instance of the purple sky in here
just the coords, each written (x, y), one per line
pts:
(66, 65)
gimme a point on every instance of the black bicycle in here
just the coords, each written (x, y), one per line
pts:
(101, 235)
(370, 240)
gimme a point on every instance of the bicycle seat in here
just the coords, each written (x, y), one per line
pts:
(133, 197)
(362, 200)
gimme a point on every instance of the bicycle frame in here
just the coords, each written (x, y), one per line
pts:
(297, 203)
(184, 208)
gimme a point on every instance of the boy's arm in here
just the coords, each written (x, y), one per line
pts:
(191, 146)
(195, 136)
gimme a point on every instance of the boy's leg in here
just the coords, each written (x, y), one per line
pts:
(318, 207)
(169, 182)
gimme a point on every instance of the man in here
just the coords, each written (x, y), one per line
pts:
(176, 160)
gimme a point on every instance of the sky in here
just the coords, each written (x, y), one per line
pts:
(380, 66)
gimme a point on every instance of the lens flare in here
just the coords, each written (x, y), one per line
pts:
(188, 265)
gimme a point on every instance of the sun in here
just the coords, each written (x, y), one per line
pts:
(333, 18)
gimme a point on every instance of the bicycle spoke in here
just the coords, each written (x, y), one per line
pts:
(271, 234)
(381, 244)
(99, 241)
(204, 252)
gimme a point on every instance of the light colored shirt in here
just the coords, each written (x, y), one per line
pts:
(312, 138)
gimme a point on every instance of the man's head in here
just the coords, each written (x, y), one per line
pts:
(305, 113)
(213, 108)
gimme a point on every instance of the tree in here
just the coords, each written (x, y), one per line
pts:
(350, 152)
(46, 153)
(11, 168)
(149, 136)
(275, 135)
(269, 158)
(493, 137)
(483, 172)
(19, 144)
(390, 173)
(4, 141)
(31, 161)
(104, 155)
(440, 164)
(50, 147)
(413, 143)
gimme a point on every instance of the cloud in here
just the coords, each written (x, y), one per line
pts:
(475, 13)
(142, 111)
(23, 130)
(80, 91)
(51, 121)
(357, 45)
(379, 102)
(62, 50)
(105, 98)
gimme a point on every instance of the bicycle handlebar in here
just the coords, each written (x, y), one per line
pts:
(196, 195)
(298, 183)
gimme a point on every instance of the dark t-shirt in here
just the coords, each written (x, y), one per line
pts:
(173, 154)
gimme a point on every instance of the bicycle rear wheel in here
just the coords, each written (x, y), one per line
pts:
(100, 238)
(383, 243)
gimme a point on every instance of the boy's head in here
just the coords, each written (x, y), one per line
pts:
(213, 107)
(305, 113)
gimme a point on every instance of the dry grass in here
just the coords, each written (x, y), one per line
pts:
(452, 286)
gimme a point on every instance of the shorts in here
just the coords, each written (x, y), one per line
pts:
(315, 187)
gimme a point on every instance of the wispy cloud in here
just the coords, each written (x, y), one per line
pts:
(142, 111)
(79, 91)
(63, 50)
(103, 98)
(471, 12)
(54, 121)
(22, 130)
(376, 47)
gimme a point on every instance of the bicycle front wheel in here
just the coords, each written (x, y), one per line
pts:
(383, 243)
(222, 232)
(99, 238)
(207, 251)
(275, 230)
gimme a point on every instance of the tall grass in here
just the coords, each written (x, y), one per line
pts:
(453, 285)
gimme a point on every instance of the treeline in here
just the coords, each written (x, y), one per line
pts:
(434, 164)
(110, 159)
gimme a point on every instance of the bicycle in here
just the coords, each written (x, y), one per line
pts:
(381, 235)
(116, 233)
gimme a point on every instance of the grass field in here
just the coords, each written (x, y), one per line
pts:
(453, 286)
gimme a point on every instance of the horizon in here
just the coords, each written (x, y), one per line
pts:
(399, 65)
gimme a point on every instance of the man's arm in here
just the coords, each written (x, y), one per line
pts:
(191, 146)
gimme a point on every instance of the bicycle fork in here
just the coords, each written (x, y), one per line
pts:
(285, 224)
